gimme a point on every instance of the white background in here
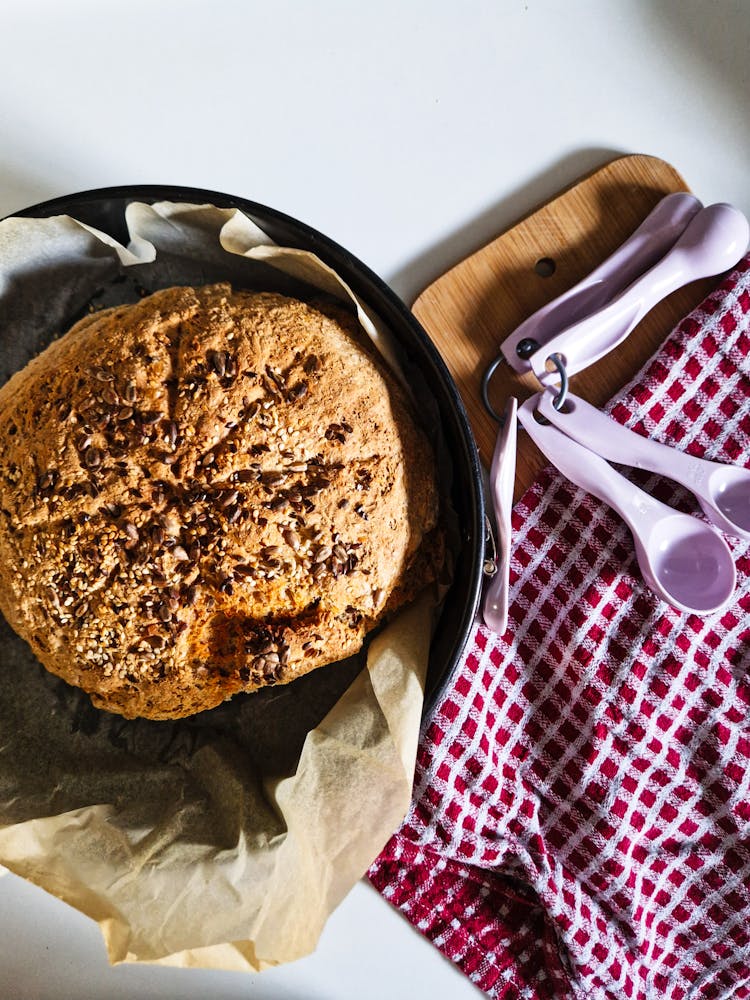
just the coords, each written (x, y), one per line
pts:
(411, 133)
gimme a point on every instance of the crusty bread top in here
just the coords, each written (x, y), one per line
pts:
(204, 493)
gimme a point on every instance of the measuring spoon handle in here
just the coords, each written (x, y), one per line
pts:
(502, 480)
(641, 250)
(714, 240)
(590, 471)
(595, 430)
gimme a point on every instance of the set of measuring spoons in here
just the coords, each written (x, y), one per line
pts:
(684, 560)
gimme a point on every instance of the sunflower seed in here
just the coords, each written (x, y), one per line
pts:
(291, 538)
(46, 480)
(273, 478)
(218, 361)
(92, 458)
(277, 379)
(172, 433)
(132, 534)
(101, 421)
(311, 364)
(180, 554)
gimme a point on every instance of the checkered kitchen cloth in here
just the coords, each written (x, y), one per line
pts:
(581, 817)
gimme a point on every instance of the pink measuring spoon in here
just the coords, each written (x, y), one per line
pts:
(685, 561)
(713, 241)
(502, 480)
(657, 233)
(723, 491)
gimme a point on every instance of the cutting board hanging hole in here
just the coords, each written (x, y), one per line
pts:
(545, 267)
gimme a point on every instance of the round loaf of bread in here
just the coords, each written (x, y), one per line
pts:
(205, 493)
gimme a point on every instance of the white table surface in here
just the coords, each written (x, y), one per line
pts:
(411, 133)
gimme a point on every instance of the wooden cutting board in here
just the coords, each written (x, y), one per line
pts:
(472, 308)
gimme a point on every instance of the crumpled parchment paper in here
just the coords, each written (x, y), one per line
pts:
(224, 840)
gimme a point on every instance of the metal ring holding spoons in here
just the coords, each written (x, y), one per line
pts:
(558, 402)
(486, 379)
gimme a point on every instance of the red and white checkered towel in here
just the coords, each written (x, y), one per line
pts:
(581, 816)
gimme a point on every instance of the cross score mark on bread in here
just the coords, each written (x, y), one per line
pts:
(208, 492)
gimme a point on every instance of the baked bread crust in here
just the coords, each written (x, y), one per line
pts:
(205, 493)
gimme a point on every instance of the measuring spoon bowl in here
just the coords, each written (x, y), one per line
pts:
(685, 561)
(729, 490)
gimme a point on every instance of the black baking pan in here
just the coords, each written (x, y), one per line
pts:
(104, 209)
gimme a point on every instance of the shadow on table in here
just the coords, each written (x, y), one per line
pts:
(19, 189)
(67, 954)
(708, 42)
(411, 279)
